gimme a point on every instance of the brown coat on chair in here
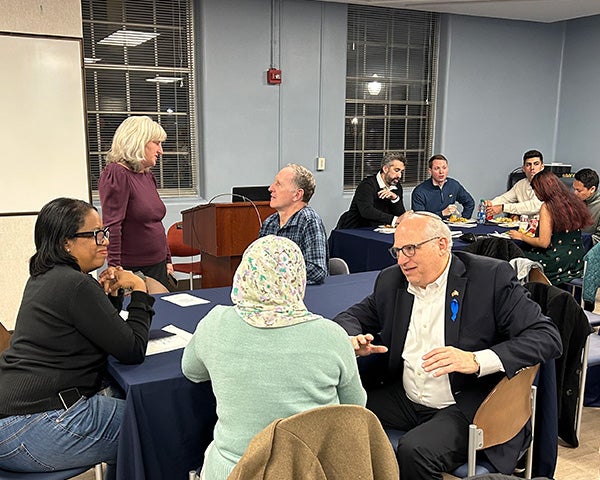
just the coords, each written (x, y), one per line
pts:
(336, 442)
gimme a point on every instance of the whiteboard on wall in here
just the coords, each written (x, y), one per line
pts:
(43, 122)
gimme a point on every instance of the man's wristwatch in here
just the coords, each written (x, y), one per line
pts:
(477, 363)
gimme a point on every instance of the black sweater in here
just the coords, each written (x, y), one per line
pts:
(368, 210)
(65, 329)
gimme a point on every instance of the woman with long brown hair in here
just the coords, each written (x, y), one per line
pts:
(557, 243)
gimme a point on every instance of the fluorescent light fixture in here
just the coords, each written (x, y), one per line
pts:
(91, 61)
(128, 38)
(159, 79)
(374, 87)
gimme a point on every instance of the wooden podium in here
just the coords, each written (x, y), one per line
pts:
(222, 231)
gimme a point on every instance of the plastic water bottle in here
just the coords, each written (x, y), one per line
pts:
(481, 212)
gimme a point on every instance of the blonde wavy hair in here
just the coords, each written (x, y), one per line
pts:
(130, 141)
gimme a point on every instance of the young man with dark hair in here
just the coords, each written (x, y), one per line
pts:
(585, 187)
(520, 199)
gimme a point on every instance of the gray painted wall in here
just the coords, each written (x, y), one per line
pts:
(252, 129)
(498, 97)
(501, 83)
(578, 138)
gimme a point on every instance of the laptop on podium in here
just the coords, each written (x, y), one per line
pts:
(256, 194)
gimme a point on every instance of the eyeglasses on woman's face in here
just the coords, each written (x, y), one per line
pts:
(408, 250)
(99, 235)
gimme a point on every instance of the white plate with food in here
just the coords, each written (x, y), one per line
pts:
(453, 220)
(500, 235)
(505, 222)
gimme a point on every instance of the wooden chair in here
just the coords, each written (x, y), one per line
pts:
(153, 286)
(537, 275)
(503, 414)
(4, 338)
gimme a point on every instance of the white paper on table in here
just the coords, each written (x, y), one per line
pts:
(179, 339)
(455, 233)
(385, 229)
(185, 299)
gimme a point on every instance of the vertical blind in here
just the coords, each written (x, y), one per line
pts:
(139, 61)
(390, 86)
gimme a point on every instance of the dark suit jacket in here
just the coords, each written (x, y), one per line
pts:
(368, 210)
(574, 329)
(495, 312)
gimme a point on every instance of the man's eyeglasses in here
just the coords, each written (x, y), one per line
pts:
(99, 235)
(408, 250)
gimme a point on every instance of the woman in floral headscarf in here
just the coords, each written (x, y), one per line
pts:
(267, 357)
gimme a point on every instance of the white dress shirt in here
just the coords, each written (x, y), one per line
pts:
(426, 332)
(383, 185)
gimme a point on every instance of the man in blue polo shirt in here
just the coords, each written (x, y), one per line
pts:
(439, 193)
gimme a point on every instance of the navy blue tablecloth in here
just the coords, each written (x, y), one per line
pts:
(363, 249)
(168, 421)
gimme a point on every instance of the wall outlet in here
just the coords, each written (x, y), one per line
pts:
(320, 164)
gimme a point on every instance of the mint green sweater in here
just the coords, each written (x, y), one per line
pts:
(261, 374)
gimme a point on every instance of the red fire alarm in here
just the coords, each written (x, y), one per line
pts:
(273, 76)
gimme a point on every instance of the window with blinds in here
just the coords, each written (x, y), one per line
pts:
(139, 61)
(390, 86)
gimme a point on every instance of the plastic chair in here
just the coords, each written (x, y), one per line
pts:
(338, 266)
(502, 415)
(55, 475)
(180, 249)
(514, 176)
(576, 287)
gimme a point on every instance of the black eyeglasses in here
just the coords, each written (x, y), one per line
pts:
(99, 235)
(408, 250)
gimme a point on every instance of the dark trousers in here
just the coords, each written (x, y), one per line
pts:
(435, 441)
(158, 271)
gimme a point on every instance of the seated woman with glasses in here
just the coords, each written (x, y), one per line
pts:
(267, 356)
(557, 243)
(52, 416)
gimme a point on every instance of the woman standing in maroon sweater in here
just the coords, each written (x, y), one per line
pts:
(131, 206)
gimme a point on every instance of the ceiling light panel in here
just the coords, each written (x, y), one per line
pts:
(127, 38)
